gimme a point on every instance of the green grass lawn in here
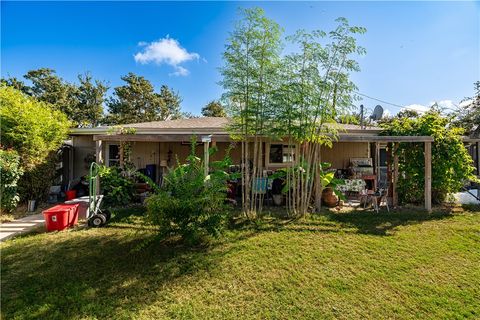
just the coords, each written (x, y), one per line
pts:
(353, 265)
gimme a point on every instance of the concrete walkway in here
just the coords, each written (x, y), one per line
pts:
(16, 227)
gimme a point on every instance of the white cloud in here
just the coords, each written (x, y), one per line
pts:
(416, 107)
(166, 51)
(387, 113)
(180, 71)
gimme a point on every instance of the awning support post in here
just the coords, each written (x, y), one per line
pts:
(428, 176)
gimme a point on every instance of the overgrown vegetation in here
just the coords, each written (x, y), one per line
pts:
(190, 203)
(391, 265)
(451, 164)
(36, 131)
(296, 98)
(117, 187)
(10, 173)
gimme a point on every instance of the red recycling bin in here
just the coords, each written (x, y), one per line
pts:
(61, 217)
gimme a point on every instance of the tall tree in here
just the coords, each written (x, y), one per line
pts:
(82, 103)
(252, 58)
(137, 101)
(318, 90)
(48, 87)
(296, 99)
(172, 101)
(14, 83)
(214, 109)
(90, 96)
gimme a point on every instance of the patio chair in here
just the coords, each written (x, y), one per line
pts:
(381, 195)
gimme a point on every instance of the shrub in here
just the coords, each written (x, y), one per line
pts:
(36, 181)
(189, 203)
(451, 163)
(36, 131)
(10, 173)
(118, 188)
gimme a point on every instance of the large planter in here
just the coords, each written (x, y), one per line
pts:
(329, 198)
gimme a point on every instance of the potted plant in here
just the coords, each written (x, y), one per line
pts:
(279, 186)
(330, 194)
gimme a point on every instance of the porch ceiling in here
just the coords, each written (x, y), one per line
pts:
(226, 138)
(157, 137)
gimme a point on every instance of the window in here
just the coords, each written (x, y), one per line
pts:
(281, 153)
(113, 155)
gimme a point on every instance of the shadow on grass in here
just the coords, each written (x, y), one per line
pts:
(355, 221)
(98, 273)
(383, 223)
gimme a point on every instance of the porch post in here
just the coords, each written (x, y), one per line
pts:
(428, 176)
(395, 176)
(99, 151)
(120, 150)
(377, 165)
(99, 160)
(206, 157)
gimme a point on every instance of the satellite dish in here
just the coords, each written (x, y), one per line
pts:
(377, 113)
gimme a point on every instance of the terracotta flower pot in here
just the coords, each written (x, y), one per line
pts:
(329, 197)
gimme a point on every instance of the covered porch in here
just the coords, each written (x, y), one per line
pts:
(363, 157)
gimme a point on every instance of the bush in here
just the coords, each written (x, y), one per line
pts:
(189, 203)
(10, 173)
(36, 131)
(36, 181)
(118, 189)
(451, 163)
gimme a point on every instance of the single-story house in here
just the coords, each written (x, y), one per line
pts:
(157, 145)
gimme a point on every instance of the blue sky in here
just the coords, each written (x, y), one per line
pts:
(417, 52)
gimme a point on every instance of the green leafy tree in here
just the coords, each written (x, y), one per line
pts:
(90, 96)
(48, 87)
(82, 102)
(214, 109)
(14, 83)
(171, 101)
(252, 60)
(451, 163)
(297, 98)
(137, 101)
